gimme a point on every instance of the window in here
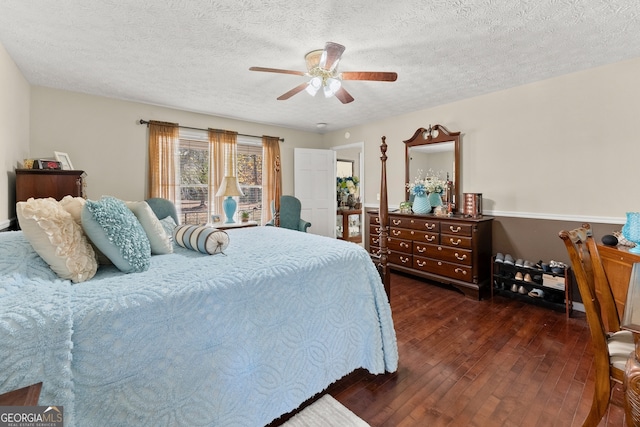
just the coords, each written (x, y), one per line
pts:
(250, 176)
(193, 175)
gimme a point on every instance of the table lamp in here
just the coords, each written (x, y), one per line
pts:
(229, 188)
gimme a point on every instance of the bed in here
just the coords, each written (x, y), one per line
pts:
(233, 339)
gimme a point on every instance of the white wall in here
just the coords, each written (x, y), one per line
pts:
(14, 131)
(102, 137)
(562, 148)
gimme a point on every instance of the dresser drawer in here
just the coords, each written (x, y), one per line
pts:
(401, 258)
(374, 220)
(416, 235)
(374, 240)
(456, 241)
(400, 245)
(414, 223)
(456, 228)
(444, 253)
(447, 269)
(374, 229)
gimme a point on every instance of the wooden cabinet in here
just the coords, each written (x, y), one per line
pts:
(452, 250)
(617, 263)
(349, 225)
(39, 183)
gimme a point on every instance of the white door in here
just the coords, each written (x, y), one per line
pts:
(315, 186)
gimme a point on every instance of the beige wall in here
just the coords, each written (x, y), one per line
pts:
(102, 137)
(14, 131)
(564, 149)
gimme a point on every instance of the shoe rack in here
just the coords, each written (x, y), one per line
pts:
(532, 285)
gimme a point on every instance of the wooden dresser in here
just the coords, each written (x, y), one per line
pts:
(452, 250)
(38, 183)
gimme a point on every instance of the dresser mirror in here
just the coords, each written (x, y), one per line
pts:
(438, 150)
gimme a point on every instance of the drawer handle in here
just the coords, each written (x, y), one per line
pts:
(377, 221)
(421, 263)
(404, 245)
(412, 222)
(374, 240)
(430, 226)
(404, 260)
(421, 249)
(396, 232)
(455, 230)
(461, 258)
(456, 243)
(377, 229)
(460, 270)
(397, 221)
(430, 238)
(439, 262)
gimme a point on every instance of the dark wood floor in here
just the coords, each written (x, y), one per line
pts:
(478, 363)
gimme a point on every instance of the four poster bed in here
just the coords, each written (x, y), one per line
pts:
(236, 338)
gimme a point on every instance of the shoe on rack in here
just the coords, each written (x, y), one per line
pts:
(536, 293)
(499, 257)
(520, 262)
(519, 276)
(527, 278)
(522, 290)
(514, 288)
(529, 264)
(508, 259)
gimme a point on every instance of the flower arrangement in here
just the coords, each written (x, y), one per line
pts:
(347, 185)
(431, 183)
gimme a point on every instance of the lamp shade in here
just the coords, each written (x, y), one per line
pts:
(229, 187)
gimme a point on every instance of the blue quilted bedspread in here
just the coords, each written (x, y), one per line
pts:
(198, 340)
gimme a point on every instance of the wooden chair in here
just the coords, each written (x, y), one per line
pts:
(611, 346)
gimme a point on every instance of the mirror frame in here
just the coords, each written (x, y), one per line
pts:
(434, 135)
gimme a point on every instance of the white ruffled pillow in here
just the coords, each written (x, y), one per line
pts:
(57, 238)
(158, 238)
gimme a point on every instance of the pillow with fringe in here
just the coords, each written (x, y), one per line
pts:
(158, 238)
(57, 238)
(201, 238)
(117, 233)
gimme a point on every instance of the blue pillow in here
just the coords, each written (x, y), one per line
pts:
(116, 231)
(201, 238)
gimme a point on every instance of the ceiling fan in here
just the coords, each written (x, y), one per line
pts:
(322, 67)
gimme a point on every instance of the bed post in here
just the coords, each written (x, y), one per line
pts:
(384, 221)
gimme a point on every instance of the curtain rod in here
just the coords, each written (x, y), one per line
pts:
(146, 122)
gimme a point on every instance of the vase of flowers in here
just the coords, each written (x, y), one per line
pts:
(347, 188)
(426, 191)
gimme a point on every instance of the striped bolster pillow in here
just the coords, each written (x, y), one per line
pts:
(201, 238)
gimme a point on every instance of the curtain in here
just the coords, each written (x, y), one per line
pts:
(271, 177)
(223, 149)
(163, 143)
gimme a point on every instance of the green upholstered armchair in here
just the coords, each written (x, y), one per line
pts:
(163, 208)
(289, 214)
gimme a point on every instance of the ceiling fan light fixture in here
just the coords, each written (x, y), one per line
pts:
(314, 86)
(331, 86)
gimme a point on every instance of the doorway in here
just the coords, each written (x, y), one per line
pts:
(350, 164)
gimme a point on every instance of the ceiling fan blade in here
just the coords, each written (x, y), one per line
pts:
(344, 96)
(277, 70)
(379, 76)
(293, 91)
(331, 56)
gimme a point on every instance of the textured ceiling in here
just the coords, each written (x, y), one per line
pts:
(195, 54)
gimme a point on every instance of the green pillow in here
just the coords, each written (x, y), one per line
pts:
(116, 231)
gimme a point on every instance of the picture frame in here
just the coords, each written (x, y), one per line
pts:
(64, 160)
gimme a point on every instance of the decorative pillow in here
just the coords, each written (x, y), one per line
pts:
(168, 224)
(114, 229)
(74, 206)
(57, 238)
(201, 238)
(158, 237)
